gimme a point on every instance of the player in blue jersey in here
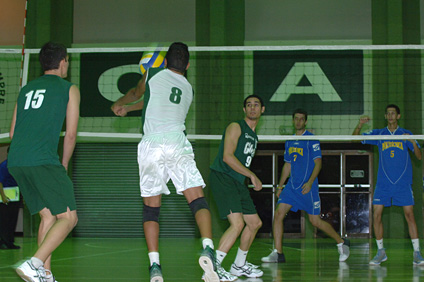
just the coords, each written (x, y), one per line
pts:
(394, 179)
(303, 164)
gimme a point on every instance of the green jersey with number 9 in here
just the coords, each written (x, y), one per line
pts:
(246, 148)
(41, 110)
(167, 99)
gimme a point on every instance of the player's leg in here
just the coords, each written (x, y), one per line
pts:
(241, 267)
(200, 209)
(278, 225)
(277, 254)
(151, 211)
(378, 232)
(410, 219)
(377, 222)
(413, 233)
(47, 221)
(325, 226)
(253, 223)
(343, 245)
(57, 233)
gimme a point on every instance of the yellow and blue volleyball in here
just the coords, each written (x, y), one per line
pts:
(154, 59)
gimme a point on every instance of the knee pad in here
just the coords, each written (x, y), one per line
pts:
(151, 213)
(198, 204)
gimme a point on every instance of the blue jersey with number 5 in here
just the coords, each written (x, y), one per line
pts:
(301, 155)
(394, 161)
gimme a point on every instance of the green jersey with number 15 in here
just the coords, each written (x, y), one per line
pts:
(41, 110)
(246, 148)
(167, 99)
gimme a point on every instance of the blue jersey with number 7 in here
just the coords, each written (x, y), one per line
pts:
(301, 155)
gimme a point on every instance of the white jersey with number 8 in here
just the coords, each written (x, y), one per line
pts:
(167, 99)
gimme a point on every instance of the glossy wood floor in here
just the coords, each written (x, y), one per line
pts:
(80, 259)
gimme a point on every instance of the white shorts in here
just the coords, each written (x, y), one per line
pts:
(167, 156)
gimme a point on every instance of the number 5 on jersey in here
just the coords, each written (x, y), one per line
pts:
(34, 100)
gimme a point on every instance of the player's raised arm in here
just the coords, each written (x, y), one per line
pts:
(362, 121)
(134, 94)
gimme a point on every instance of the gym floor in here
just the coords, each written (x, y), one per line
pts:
(92, 259)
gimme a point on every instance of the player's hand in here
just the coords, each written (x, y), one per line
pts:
(118, 110)
(306, 188)
(410, 140)
(256, 183)
(364, 119)
(5, 200)
(278, 192)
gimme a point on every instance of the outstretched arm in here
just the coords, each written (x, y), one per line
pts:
(121, 107)
(232, 135)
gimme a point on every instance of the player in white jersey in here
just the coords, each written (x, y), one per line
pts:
(165, 153)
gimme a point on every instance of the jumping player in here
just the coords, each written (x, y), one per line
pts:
(164, 152)
(394, 179)
(303, 164)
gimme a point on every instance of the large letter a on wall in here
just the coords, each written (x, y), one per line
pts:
(318, 84)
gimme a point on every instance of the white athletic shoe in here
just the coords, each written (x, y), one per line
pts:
(245, 270)
(252, 265)
(344, 250)
(207, 262)
(223, 274)
(29, 273)
(49, 276)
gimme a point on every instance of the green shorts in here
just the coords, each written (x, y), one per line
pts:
(45, 186)
(230, 195)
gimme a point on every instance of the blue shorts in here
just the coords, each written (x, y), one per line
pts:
(309, 203)
(396, 195)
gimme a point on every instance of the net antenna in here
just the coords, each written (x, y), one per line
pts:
(23, 49)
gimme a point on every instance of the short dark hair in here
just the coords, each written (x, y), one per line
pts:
(395, 107)
(51, 54)
(253, 96)
(177, 56)
(300, 111)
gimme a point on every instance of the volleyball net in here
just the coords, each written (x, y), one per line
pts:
(335, 84)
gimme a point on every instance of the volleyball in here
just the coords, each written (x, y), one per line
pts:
(154, 59)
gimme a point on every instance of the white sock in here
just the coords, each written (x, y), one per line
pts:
(36, 262)
(220, 256)
(154, 257)
(207, 242)
(380, 244)
(241, 257)
(416, 244)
